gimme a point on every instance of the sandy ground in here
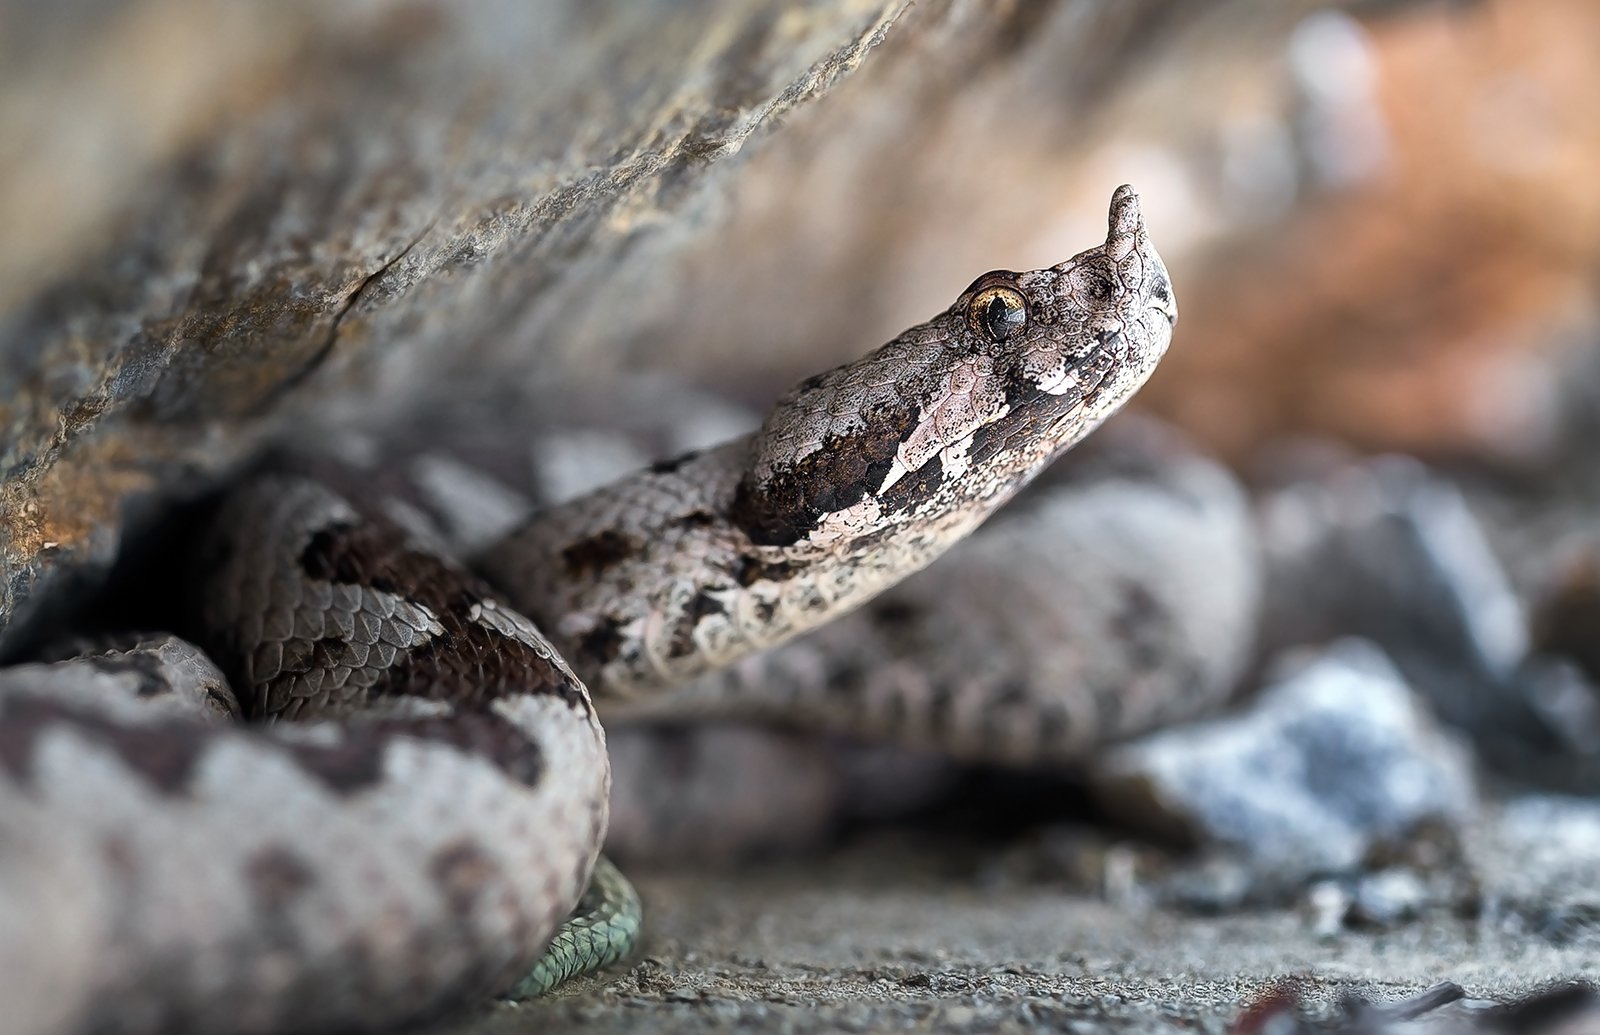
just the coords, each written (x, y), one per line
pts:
(890, 937)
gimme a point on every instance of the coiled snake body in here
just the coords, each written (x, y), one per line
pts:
(163, 868)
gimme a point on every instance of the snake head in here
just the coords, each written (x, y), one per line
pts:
(935, 429)
(1091, 331)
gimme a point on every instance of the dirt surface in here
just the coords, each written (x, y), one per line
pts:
(888, 937)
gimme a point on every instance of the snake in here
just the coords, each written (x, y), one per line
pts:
(370, 784)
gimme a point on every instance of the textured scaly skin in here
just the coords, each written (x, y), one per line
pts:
(603, 929)
(415, 839)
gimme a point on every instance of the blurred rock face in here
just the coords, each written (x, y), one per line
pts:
(220, 221)
(1379, 227)
(1384, 228)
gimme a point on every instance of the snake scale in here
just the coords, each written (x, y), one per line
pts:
(419, 796)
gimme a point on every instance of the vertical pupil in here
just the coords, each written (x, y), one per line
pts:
(1000, 318)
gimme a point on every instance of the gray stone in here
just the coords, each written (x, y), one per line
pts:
(1336, 758)
(1389, 551)
(1389, 898)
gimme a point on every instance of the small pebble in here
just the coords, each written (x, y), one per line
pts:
(1388, 898)
(1328, 902)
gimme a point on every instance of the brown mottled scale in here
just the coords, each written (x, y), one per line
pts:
(356, 614)
(417, 853)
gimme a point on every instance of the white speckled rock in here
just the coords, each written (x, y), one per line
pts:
(1337, 756)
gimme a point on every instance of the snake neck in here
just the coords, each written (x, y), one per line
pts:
(653, 581)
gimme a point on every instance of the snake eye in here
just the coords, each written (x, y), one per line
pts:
(998, 313)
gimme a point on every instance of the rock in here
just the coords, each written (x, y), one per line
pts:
(1389, 551)
(1337, 758)
(1567, 700)
(1327, 904)
(220, 220)
(1381, 900)
(1389, 898)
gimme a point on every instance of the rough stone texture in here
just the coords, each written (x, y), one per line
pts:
(955, 150)
(214, 208)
